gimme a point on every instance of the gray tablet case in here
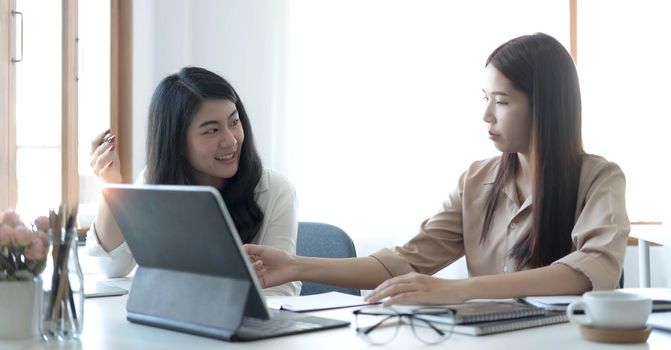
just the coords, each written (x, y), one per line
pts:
(193, 274)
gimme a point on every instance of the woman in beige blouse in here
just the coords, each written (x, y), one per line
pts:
(543, 218)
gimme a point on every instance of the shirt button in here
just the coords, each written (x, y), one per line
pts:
(513, 226)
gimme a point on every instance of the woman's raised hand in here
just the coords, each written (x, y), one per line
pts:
(105, 158)
(272, 266)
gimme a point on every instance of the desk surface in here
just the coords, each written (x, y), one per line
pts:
(106, 327)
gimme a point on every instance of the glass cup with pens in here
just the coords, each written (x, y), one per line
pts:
(63, 306)
(379, 325)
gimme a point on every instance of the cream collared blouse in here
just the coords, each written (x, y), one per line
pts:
(277, 199)
(599, 235)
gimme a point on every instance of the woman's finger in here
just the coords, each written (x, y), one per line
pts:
(253, 250)
(407, 278)
(106, 169)
(404, 298)
(103, 160)
(98, 140)
(99, 151)
(391, 290)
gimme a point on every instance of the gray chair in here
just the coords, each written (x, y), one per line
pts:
(324, 241)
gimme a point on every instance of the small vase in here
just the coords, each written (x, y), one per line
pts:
(63, 306)
(20, 315)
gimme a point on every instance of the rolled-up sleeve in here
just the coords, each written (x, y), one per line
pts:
(601, 229)
(119, 262)
(281, 226)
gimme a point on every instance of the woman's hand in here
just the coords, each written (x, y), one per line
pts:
(272, 266)
(415, 288)
(105, 158)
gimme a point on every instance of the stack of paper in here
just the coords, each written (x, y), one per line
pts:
(314, 302)
(661, 299)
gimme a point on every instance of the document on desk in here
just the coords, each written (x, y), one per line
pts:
(95, 289)
(661, 299)
(660, 321)
(315, 302)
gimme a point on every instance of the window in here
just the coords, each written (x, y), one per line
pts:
(624, 76)
(384, 104)
(94, 95)
(57, 92)
(39, 108)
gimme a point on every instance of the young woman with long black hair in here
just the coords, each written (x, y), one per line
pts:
(543, 218)
(199, 134)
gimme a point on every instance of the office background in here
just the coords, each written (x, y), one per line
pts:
(373, 108)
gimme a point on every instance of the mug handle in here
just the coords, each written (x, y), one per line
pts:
(571, 315)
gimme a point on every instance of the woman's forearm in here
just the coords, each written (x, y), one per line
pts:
(555, 279)
(360, 273)
(106, 228)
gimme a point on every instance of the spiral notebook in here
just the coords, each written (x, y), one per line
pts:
(485, 311)
(507, 325)
(489, 317)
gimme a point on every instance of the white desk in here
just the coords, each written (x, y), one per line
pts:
(647, 234)
(106, 327)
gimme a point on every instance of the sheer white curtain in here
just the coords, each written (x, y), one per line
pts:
(623, 64)
(384, 108)
(624, 70)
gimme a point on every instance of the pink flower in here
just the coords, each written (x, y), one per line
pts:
(36, 250)
(22, 236)
(44, 237)
(11, 218)
(6, 234)
(42, 223)
(28, 246)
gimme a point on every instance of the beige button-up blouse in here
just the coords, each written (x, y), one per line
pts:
(599, 235)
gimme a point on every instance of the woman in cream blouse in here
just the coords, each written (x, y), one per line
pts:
(199, 133)
(543, 218)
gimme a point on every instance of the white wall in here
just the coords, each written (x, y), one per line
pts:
(242, 40)
(245, 41)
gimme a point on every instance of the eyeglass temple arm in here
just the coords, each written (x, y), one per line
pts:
(374, 327)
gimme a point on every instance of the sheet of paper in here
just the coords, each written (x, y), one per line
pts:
(553, 300)
(661, 298)
(660, 321)
(331, 300)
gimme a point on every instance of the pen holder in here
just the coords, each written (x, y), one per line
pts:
(63, 306)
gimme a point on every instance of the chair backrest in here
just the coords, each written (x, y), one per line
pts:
(324, 241)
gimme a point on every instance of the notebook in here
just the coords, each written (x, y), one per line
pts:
(96, 289)
(485, 311)
(193, 275)
(500, 326)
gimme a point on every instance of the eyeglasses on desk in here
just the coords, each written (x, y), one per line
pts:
(373, 323)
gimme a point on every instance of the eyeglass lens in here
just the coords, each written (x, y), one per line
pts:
(379, 325)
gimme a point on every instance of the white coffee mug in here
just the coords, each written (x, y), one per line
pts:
(612, 309)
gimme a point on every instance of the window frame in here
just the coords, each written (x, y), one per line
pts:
(120, 103)
(8, 193)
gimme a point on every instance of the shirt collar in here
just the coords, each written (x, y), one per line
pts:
(509, 189)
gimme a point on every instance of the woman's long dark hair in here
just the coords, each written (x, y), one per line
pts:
(540, 67)
(176, 100)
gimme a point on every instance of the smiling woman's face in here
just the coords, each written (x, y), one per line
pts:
(507, 112)
(213, 142)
